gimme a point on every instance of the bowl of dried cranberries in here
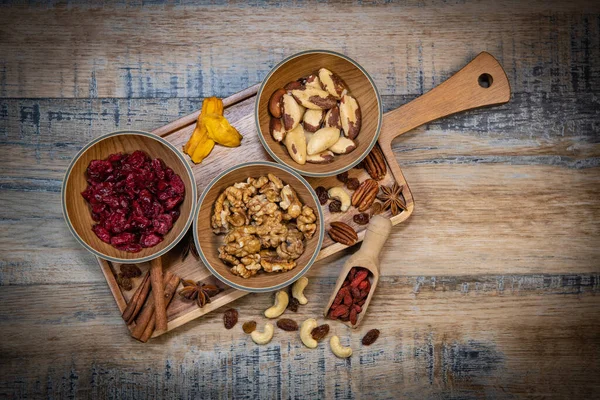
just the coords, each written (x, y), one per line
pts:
(129, 196)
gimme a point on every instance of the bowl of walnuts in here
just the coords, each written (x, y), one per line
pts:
(259, 226)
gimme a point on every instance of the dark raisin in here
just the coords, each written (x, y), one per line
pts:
(130, 271)
(320, 332)
(293, 304)
(230, 318)
(343, 177)
(353, 183)
(287, 324)
(124, 282)
(335, 206)
(361, 219)
(249, 326)
(370, 337)
(322, 195)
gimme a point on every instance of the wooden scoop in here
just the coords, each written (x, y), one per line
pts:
(366, 257)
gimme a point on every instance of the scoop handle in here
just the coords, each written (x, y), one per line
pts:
(377, 233)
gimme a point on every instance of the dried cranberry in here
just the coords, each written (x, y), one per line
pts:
(177, 184)
(174, 214)
(122, 239)
(173, 202)
(133, 198)
(130, 247)
(99, 169)
(101, 232)
(163, 224)
(140, 222)
(150, 240)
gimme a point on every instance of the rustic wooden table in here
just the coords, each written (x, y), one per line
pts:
(489, 289)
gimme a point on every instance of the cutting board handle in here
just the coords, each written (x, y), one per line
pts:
(482, 82)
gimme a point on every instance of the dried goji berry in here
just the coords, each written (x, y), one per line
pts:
(361, 302)
(351, 274)
(340, 310)
(359, 277)
(353, 316)
(363, 285)
(363, 294)
(355, 292)
(348, 299)
(357, 308)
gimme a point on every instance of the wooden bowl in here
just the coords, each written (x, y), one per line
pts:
(77, 211)
(208, 243)
(360, 86)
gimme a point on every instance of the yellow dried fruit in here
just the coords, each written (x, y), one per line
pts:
(203, 150)
(210, 105)
(221, 131)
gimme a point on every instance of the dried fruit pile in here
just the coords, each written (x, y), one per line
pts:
(212, 127)
(315, 117)
(134, 199)
(352, 296)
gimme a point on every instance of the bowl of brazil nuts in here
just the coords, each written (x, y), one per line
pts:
(319, 113)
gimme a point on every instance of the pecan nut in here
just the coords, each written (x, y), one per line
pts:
(365, 195)
(375, 163)
(343, 233)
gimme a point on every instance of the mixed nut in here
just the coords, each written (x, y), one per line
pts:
(315, 118)
(265, 225)
(362, 196)
(309, 331)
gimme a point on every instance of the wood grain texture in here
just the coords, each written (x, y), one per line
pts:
(494, 295)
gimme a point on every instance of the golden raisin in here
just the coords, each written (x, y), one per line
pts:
(249, 326)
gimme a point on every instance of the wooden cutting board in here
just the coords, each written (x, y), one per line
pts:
(480, 83)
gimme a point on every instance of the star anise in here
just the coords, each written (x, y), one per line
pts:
(391, 196)
(189, 246)
(199, 291)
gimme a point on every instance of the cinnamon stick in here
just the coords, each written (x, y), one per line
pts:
(170, 289)
(156, 279)
(148, 312)
(137, 300)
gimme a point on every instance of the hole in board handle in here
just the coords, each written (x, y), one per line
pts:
(485, 80)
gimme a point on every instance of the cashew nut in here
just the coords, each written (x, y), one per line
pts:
(263, 337)
(339, 193)
(305, 333)
(338, 349)
(281, 303)
(298, 290)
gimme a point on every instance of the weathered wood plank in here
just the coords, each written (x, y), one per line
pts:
(509, 191)
(39, 137)
(456, 336)
(469, 219)
(133, 51)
